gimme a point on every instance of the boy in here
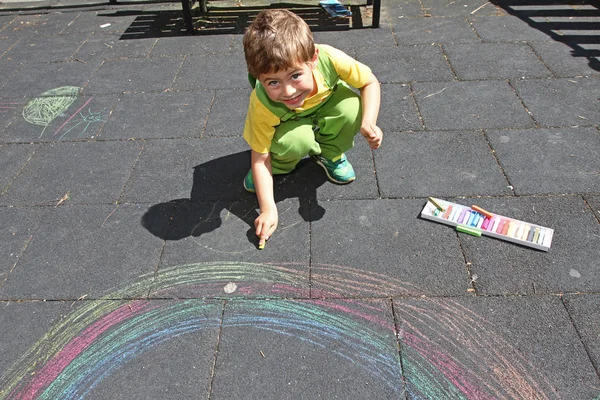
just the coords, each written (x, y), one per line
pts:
(301, 105)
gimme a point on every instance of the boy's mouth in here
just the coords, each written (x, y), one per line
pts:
(294, 100)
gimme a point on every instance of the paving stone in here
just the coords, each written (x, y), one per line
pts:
(407, 64)
(398, 111)
(561, 102)
(569, 266)
(380, 37)
(594, 202)
(393, 11)
(93, 172)
(583, 310)
(13, 157)
(219, 232)
(98, 47)
(91, 22)
(196, 44)
(509, 347)
(228, 113)
(134, 75)
(377, 238)
(6, 43)
(9, 68)
(5, 20)
(18, 227)
(24, 325)
(67, 257)
(45, 48)
(506, 29)
(199, 170)
(411, 31)
(465, 8)
(218, 71)
(82, 119)
(53, 23)
(171, 359)
(470, 105)
(10, 109)
(564, 60)
(36, 79)
(540, 161)
(159, 115)
(353, 341)
(22, 26)
(494, 61)
(426, 164)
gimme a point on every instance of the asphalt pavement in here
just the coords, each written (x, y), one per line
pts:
(128, 264)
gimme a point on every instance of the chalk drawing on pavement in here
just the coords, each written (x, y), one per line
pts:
(52, 105)
(44, 109)
(448, 351)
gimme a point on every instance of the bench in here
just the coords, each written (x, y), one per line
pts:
(203, 9)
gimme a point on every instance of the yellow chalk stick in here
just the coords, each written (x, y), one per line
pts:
(436, 204)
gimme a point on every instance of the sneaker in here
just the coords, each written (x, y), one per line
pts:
(249, 183)
(338, 169)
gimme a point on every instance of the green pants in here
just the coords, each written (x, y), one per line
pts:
(328, 132)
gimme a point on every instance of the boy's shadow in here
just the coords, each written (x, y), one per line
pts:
(217, 186)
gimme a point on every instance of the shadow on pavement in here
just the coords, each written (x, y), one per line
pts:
(574, 23)
(217, 186)
(224, 20)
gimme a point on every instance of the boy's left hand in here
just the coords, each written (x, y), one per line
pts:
(373, 134)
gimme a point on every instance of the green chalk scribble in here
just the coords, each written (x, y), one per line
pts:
(43, 109)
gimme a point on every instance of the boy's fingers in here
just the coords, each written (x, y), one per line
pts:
(263, 230)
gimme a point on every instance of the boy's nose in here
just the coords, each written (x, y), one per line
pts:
(289, 90)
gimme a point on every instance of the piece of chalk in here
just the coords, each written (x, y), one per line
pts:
(482, 211)
(469, 230)
(261, 246)
(436, 204)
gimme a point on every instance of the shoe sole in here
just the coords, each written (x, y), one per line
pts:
(331, 178)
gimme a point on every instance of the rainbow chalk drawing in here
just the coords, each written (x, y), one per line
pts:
(447, 350)
(476, 221)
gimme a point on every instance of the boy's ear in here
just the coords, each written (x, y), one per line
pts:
(315, 57)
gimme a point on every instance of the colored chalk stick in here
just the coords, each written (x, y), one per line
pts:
(482, 211)
(485, 224)
(462, 216)
(436, 204)
(469, 230)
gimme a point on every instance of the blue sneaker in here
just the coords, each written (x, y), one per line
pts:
(338, 169)
(249, 183)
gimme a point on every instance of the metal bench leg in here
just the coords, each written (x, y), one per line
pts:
(376, 13)
(187, 15)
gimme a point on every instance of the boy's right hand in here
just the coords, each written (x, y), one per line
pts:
(265, 224)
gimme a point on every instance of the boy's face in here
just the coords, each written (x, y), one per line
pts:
(291, 86)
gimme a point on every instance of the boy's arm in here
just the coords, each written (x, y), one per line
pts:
(266, 223)
(371, 99)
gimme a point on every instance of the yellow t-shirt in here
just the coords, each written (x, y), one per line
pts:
(261, 123)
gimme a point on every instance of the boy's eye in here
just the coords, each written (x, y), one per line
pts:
(273, 83)
(296, 76)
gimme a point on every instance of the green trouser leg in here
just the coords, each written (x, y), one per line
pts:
(329, 132)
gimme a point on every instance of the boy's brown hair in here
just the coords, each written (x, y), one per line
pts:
(277, 40)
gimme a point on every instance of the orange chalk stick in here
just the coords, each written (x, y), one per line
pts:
(482, 211)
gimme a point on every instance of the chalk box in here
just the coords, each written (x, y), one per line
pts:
(498, 226)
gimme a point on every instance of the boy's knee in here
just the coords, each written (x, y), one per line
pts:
(294, 143)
